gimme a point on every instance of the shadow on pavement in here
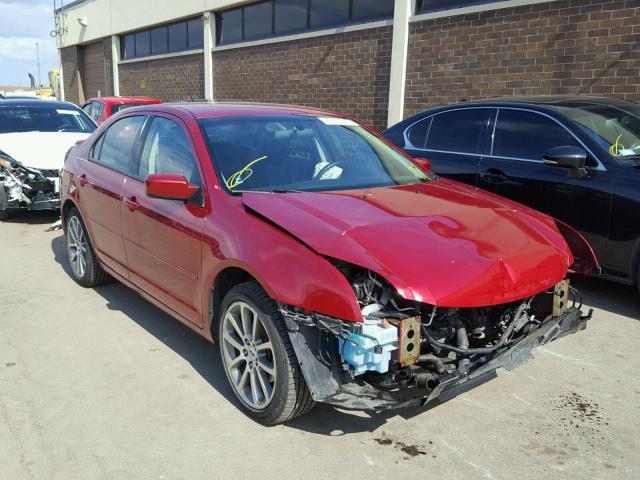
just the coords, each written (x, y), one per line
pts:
(33, 217)
(610, 296)
(205, 359)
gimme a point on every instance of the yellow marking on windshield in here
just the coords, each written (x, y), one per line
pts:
(237, 178)
(616, 149)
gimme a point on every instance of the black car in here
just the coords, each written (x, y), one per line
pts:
(513, 147)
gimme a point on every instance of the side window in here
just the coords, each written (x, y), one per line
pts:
(115, 148)
(417, 133)
(527, 135)
(167, 150)
(98, 110)
(88, 108)
(458, 131)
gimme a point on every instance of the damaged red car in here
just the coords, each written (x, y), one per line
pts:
(326, 264)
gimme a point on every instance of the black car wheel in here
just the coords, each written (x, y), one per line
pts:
(258, 358)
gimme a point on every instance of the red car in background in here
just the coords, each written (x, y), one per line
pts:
(101, 108)
(328, 265)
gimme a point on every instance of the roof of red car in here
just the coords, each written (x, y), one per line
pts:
(226, 109)
(125, 100)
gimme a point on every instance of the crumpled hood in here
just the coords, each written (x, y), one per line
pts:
(441, 243)
(40, 150)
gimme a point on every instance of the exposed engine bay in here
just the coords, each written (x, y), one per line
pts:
(24, 187)
(407, 352)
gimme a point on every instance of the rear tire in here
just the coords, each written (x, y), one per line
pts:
(258, 358)
(84, 265)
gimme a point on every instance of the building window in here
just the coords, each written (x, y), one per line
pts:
(159, 41)
(143, 43)
(271, 18)
(175, 37)
(195, 34)
(257, 20)
(427, 6)
(325, 13)
(291, 16)
(178, 37)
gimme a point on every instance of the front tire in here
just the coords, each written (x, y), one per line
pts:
(82, 259)
(258, 358)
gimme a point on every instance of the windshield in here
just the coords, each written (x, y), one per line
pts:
(122, 106)
(617, 130)
(303, 153)
(44, 118)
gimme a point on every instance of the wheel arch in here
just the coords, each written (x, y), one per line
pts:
(225, 280)
(64, 211)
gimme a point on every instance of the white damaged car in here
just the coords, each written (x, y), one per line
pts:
(34, 139)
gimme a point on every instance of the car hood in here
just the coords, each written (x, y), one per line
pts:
(441, 243)
(40, 150)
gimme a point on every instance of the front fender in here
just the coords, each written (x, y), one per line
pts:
(290, 272)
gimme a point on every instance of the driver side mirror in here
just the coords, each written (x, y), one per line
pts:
(572, 158)
(423, 163)
(170, 186)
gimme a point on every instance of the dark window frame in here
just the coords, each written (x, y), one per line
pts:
(132, 37)
(451, 5)
(350, 21)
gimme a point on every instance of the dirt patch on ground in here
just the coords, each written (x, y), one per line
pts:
(411, 450)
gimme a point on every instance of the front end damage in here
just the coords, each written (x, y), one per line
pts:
(22, 187)
(407, 353)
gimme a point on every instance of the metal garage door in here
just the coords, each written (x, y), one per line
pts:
(93, 73)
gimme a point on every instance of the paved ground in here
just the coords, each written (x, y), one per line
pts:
(99, 384)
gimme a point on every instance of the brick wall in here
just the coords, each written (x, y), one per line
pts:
(347, 72)
(562, 47)
(70, 74)
(175, 78)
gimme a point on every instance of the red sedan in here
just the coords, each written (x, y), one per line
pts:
(101, 108)
(326, 264)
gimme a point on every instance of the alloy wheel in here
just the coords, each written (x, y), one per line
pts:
(248, 355)
(77, 247)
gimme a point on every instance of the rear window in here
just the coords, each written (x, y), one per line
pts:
(458, 131)
(44, 118)
(122, 106)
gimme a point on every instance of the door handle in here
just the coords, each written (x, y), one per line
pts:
(131, 203)
(493, 176)
(83, 180)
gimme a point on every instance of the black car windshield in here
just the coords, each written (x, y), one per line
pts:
(44, 118)
(616, 129)
(303, 153)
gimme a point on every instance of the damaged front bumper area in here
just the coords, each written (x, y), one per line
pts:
(332, 380)
(27, 188)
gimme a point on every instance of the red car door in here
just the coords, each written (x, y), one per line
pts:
(100, 188)
(162, 237)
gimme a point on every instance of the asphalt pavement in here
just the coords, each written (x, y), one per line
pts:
(100, 384)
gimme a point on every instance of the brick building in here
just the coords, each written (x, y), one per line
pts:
(380, 60)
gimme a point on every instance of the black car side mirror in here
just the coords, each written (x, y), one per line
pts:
(572, 158)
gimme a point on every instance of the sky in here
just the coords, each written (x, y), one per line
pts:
(22, 24)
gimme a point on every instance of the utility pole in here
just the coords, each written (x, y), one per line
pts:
(38, 60)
